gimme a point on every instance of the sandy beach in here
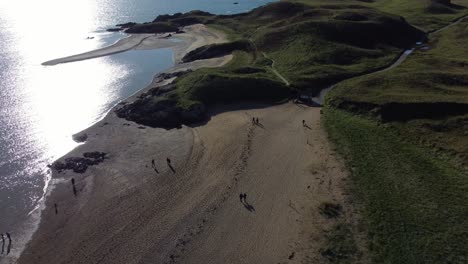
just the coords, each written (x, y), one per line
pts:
(125, 211)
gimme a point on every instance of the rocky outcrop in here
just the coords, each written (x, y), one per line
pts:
(165, 23)
(80, 164)
(120, 27)
(80, 138)
(155, 108)
(184, 19)
(156, 111)
(153, 28)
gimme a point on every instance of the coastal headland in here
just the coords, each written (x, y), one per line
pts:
(224, 159)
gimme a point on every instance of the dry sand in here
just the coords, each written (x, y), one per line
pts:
(126, 212)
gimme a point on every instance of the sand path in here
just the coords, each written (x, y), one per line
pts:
(125, 212)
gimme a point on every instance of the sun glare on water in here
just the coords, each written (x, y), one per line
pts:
(63, 99)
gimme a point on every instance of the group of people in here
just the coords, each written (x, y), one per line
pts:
(243, 197)
(255, 121)
(3, 243)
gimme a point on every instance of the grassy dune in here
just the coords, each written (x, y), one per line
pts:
(311, 47)
(427, 15)
(415, 204)
(410, 171)
(431, 82)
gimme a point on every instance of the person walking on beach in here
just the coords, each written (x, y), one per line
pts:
(153, 165)
(73, 184)
(256, 121)
(168, 160)
(3, 244)
(253, 120)
(303, 123)
(241, 196)
(56, 208)
(9, 243)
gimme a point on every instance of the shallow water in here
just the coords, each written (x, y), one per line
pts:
(42, 106)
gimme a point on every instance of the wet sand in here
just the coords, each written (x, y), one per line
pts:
(195, 36)
(127, 212)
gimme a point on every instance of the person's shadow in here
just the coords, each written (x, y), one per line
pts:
(248, 206)
(260, 125)
(9, 243)
(170, 167)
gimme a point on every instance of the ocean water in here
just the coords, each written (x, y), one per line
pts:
(41, 107)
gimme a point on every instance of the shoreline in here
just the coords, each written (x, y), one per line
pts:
(194, 34)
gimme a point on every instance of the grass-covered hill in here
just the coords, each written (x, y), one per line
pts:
(429, 91)
(284, 48)
(313, 47)
(410, 171)
(427, 15)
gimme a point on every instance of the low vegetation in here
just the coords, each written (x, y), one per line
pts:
(311, 47)
(403, 133)
(415, 204)
(428, 92)
(428, 15)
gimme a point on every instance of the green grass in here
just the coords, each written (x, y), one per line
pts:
(211, 87)
(341, 245)
(311, 47)
(424, 14)
(436, 76)
(415, 204)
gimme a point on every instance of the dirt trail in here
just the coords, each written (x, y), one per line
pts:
(320, 99)
(275, 71)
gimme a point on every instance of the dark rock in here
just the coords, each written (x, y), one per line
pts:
(126, 25)
(96, 156)
(152, 28)
(79, 164)
(330, 210)
(80, 138)
(166, 18)
(154, 111)
(114, 29)
(186, 19)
